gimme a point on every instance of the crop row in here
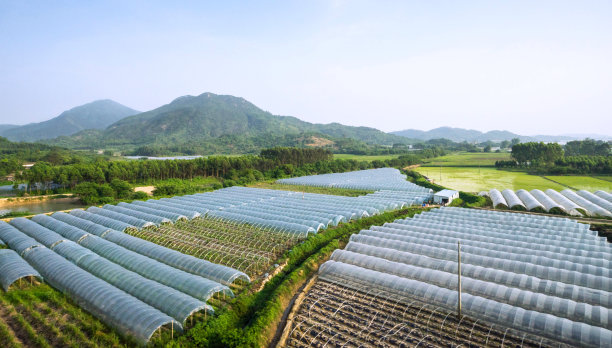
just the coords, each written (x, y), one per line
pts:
(37, 315)
(332, 315)
(244, 247)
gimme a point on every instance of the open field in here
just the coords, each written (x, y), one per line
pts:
(467, 159)
(584, 182)
(483, 179)
(347, 156)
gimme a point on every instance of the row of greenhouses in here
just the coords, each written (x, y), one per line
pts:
(369, 179)
(541, 275)
(577, 203)
(130, 284)
(288, 212)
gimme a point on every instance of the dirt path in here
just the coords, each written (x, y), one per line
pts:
(284, 327)
(146, 189)
(414, 166)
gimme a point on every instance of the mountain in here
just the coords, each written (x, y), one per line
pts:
(470, 135)
(5, 127)
(95, 115)
(219, 120)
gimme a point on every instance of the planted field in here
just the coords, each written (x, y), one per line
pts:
(584, 182)
(332, 315)
(243, 247)
(467, 159)
(39, 316)
(484, 179)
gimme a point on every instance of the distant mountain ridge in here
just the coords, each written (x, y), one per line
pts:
(471, 135)
(95, 115)
(210, 117)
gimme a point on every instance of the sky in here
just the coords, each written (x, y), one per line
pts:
(532, 67)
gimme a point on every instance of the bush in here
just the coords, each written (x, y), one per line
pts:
(139, 195)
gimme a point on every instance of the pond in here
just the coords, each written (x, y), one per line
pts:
(45, 206)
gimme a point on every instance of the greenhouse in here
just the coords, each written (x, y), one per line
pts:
(370, 179)
(605, 195)
(13, 268)
(595, 199)
(548, 276)
(114, 307)
(514, 202)
(530, 202)
(591, 208)
(548, 203)
(499, 202)
(164, 214)
(569, 206)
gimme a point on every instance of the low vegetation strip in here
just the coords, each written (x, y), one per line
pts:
(251, 319)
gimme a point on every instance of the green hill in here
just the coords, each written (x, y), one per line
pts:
(95, 115)
(218, 124)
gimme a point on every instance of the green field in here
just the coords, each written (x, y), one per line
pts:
(463, 159)
(472, 179)
(584, 182)
(347, 156)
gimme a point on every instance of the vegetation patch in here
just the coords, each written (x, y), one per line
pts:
(250, 320)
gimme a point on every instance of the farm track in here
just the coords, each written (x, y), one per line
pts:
(331, 315)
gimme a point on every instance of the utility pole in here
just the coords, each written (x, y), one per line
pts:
(459, 280)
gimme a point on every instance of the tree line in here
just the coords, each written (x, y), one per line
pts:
(237, 170)
(577, 157)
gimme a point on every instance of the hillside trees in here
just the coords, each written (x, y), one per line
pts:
(587, 147)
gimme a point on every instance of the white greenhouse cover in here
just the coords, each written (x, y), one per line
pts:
(547, 276)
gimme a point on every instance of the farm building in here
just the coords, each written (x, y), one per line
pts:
(445, 196)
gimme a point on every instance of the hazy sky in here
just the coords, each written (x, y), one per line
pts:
(526, 66)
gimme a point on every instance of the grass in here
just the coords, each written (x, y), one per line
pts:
(310, 189)
(348, 156)
(584, 182)
(470, 179)
(468, 159)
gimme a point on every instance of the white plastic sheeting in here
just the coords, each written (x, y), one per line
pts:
(370, 179)
(121, 216)
(603, 194)
(569, 206)
(530, 202)
(548, 276)
(592, 315)
(101, 220)
(547, 202)
(404, 289)
(514, 202)
(16, 240)
(595, 199)
(591, 208)
(13, 268)
(499, 202)
(153, 211)
(153, 204)
(116, 308)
